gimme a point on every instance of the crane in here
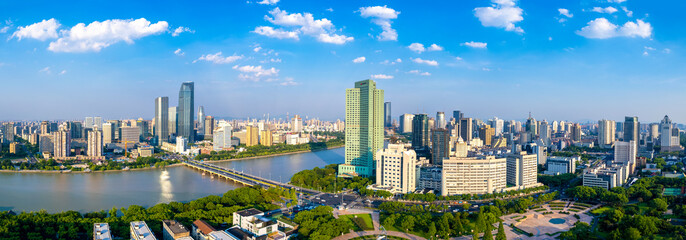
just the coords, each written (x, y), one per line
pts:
(126, 144)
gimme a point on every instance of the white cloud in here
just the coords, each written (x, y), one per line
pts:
(45, 70)
(473, 44)
(435, 47)
(667, 51)
(276, 33)
(485, 69)
(416, 47)
(359, 60)
(501, 14)
(255, 73)
(63, 72)
(420, 73)
(616, 1)
(550, 38)
(98, 35)
(180, 30)
(268, 2)
(178, 52)
(381, 16)
(565, 12)
(4, 29)
(388, 62)
(609, 10)
(257, 49)
(301, 23)
(628, 13)
(381, 76)
(423, 61)
(458, 58)
(649, 48)
(217, 58)
(329, 9)
(289, 82)
(43, 30)
(601, 28)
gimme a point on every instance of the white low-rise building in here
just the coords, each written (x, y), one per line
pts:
(473, 175)
(561, 165)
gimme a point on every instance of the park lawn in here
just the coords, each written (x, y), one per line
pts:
(395, 229)
(600, 210)
(366, 217)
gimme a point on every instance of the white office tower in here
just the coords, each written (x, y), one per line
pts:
(88, 122)
(498, 125)
(606, 133)
(544, 132)
(669, 136)
(181, 144)
(297, 124)
(522, 169)
(461, 148)
(625, 153)
(473, 175)
(561, 165)
(95, 141)
(97, 122)
(396, 168)
(107, 133)
(222, 137)
(406, 123)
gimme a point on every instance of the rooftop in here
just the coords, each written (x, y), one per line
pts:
(101, 231)
(249, 212)
(141, 229)
(174, 226)
(238, 233)
(221, 235)
(203, 227)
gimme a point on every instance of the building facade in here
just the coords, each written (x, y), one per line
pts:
(162, 119)
(396, 167)
(522, 169)
(95, 143)
(473, 175)
(420, 131)
(185, 123)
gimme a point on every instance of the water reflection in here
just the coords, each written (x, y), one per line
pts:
(166, 194)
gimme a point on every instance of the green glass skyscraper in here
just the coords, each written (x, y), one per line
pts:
(364, 129)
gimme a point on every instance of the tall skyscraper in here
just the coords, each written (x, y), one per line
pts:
(88, 122)
(185, 111)
(296, 124)
(420, 131)
(406, 123)
(364, 131)
(544, 132)
(173, 119)
(387, 114)
(486, 134)
(440, 120)
(440, 146)
(576, 132)
(44, 127)
(531, 128)
(107, 133)
(209, 127)
(8, 132)
(95, 142)
(62, 142)
(466, 129)
(669, 136)
(162, 119)
(201, 120)
(631, 130)
(458, 115)
(606, 133)
(97, 122)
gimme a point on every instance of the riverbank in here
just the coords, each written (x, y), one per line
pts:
(273, 155)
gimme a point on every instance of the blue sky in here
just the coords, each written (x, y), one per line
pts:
(561, 60)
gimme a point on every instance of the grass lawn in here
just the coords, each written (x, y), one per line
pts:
(366, 218)
(600, 210)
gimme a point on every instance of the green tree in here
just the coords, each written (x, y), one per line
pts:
(659, 204)
(408, 222)
(488, 235)
(632, 234)
(501, 232)
(432, 230)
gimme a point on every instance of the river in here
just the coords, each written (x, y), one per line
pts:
(86, 192)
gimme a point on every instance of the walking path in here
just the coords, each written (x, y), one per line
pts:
(372, 233)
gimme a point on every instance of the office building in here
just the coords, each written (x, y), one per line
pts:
(440, 149)
(201, 121)
(440, 120)
(364, 132)
(466, 129)
(185, 115)
(540, 151)
(396, 168)
(296, 124)
(631, 130)
(387, 114)
(266, 138)
(181, 144)
(95, 143)
(461, 148)
(222, 137)
(107, 133)
(486, 134)
(62, 142)
(173, 119)
(606, 176)
(101, 231)
(625, 153)
(8, 132)
(653, 131)
(209, 127)
(420, 131)
(544, 132)
(254, 221)
(252, 135)
(173, 230)
(429, 178)
(88, 122)
(522, 169)
(561, 165)
(97, 122)
(406, 123)
(162, 119)
(46, 143)
(606, 133)
(531, 128)
(473, 175)
(130, 134)
(669, 136)
(76, 129)
(458, 115)
(140, 231)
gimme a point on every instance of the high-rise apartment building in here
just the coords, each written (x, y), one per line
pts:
(222, 137)
(387, 114)
(576, 132)
(44, 127)
(266, 138)
(209, 126)
(252, 135)
(473, 175)
(406, 123)
(107, 133)
(95, 142)
(544, 132)
(185, 113)
(440, 145)
(62, 142)
(466, 129)
(46, 143)
(522, 169)
(396, 168)
(625, 152)
(420, 131)
(162, 119)
(88, 122)
(296, 124)
(364, 131)
(606, 133)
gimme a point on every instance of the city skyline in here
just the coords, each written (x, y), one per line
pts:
(547, 59)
